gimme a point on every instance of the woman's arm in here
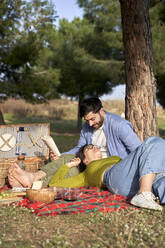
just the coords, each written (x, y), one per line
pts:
(59, 180)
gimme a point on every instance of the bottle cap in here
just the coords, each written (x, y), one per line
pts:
(21, 157)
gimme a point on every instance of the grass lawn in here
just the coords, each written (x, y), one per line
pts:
(20, 228)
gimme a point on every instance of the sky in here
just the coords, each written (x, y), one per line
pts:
(69, 9)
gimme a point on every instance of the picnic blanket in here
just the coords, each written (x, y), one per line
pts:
(91, 199)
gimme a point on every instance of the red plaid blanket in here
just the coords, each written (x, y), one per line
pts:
(90, 200)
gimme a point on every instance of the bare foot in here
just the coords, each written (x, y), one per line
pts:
(25, 178)
(14, 182)
(11, 168)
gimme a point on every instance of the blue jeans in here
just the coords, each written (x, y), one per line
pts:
(123, 178)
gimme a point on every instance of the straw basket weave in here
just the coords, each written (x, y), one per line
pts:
(32, 164)
(4, 167)
(45, 195)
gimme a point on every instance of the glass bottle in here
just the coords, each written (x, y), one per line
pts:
(21, 161)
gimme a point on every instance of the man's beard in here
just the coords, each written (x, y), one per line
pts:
(100, 123)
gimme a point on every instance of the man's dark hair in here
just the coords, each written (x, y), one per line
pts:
(92, 104)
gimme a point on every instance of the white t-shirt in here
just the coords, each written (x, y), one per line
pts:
(99, 139)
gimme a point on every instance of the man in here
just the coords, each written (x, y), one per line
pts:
(113, 134)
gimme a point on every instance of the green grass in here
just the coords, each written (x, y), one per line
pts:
(129, 228)
(161, 124)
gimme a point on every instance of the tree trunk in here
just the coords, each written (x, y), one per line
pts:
(2, 122)
(140, 102)
(79, 121)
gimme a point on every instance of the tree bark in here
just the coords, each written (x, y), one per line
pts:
(79, 120)
(2, 122)
(140, 102)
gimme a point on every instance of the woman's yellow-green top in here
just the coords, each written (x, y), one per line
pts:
(91, 176)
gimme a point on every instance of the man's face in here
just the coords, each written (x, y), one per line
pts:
(95, 120)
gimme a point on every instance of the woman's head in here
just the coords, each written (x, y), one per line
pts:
(88, 153)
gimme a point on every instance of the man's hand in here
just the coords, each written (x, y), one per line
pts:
(74, 162)
(53, 156)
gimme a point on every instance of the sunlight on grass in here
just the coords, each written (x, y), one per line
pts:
(161, 122)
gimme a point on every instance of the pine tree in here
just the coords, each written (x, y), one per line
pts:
(82, 73)
(24, 28)
(140, 80)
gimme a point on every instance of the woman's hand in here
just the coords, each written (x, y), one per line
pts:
(74, 162)
(53, 156)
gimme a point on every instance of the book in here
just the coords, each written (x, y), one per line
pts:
(48, 140)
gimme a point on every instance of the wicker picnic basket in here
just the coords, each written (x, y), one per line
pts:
(22, 139)
(4, 167)
(33, 164)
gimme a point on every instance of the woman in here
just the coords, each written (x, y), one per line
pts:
(48, 170)
(137, 176)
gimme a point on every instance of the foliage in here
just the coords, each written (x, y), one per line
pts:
(82, 57)
(105, 15)
(24, 42)
(157, 11)
(106, 41)
(82, 73)
(86, 52)
(9, 29)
